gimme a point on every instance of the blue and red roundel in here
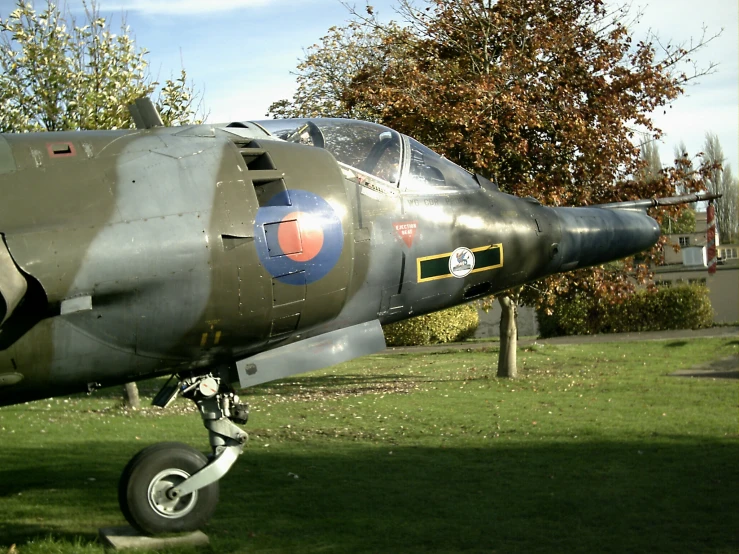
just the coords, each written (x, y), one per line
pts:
(298, 237)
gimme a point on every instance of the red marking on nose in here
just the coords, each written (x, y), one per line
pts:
(300, 236)
(406, 230)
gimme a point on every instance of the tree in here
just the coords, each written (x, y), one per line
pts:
(325, 75)
(649, 154)
(730, 201)
(507, 364)
(545, 95)
(652, 170)
(721, 181)
(58, 76)
(682, 225)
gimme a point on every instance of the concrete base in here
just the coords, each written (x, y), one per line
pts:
(123, 538)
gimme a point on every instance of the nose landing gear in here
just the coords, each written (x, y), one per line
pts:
(171, 487)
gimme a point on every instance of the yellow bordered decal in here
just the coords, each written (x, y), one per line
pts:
(433, 268)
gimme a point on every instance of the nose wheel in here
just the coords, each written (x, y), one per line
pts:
(144, 491)
(171, 487)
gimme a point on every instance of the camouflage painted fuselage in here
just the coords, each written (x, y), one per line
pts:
(174, 249)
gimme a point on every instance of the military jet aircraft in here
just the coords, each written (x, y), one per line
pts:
(245, 253)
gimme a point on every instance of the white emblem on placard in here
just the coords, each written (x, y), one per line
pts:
(461, 262)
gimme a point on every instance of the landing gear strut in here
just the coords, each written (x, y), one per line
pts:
(171, 487)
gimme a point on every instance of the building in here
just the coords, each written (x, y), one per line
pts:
(685, 262)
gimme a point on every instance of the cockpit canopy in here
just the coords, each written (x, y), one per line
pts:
(376, 155)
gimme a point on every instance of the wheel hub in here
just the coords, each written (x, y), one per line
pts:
(161, 502)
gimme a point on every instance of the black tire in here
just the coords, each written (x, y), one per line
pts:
(149, 474)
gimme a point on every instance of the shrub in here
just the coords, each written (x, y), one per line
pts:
(454, 324)
(682, 307)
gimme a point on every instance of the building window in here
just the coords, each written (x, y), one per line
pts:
(684, 241)
(701, 281)
(663, 283)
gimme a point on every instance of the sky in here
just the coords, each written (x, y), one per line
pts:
(241, 54)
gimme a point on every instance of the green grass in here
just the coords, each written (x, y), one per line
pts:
(594, 449)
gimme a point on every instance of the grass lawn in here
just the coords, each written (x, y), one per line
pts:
(594, 449)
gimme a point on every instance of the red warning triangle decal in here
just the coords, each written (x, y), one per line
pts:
(407, 231)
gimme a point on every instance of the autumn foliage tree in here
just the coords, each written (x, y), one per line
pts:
(59, 74)
(720, 180)
(544, 95)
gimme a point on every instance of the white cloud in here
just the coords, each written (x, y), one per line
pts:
(247, 103)
(184, 7)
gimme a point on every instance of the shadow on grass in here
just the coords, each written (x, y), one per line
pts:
(338, 385)
(676, 495)
(59, 491)
(676, 343)
(329, 383)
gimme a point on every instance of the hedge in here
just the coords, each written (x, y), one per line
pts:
(681, 307)
(452, 325)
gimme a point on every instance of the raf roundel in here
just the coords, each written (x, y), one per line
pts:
(298, 237)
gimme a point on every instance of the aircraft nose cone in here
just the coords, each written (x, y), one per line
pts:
(649, 233)
(593, 236)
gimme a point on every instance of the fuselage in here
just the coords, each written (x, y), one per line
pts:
(176, 249)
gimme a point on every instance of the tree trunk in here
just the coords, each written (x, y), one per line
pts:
(508, 337)
(132, 396)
